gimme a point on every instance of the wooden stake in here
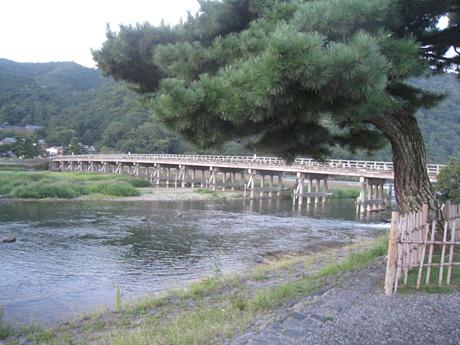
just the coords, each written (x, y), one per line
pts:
(392, 255)
(407, 248)
(430, 254)
(443, 253)
(452, 239)
(425, 227)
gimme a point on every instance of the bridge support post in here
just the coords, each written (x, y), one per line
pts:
(232, 181)
(251, 183)
(326, 188)
(262, 186)
(361, 202)
(280, 186)
(168, 175)
(318, 190)
(176, 171)
(193, 178)
(212, 178)
(300, 187)
(270, 187)
(295, 191)
(158, 175)
(369, 196)
(183, 175)
(309, 189)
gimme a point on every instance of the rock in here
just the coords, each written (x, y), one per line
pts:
(144, 219)
(8, 239)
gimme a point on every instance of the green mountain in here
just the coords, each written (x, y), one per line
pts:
(70, 100)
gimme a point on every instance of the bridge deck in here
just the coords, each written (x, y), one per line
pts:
(334, 167)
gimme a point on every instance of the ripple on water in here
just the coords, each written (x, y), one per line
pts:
(71, 256)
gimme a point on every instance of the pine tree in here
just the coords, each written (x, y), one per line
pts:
(295, 77)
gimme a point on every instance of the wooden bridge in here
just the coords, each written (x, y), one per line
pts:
(242, 172)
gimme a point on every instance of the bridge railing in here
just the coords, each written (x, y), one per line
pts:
(433, 169)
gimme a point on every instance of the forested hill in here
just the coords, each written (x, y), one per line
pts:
(70, 100)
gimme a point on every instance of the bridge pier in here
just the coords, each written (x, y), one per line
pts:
(372, 196)
(318, 195)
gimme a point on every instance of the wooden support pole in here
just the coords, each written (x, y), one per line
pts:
(158, 175)
(309, 189)
(262, 186)
(452, 225)
(390, 276)
(443, 253)
(430, 253)
(318, 187)
(270, 187)
(253, 183)
(193, 178)
(425, 230)
(301, 178)
(183, 176)
(232, 181)
(280, 185)
(176, 177)
(295, 191)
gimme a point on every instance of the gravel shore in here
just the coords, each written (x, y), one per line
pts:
(355, 311)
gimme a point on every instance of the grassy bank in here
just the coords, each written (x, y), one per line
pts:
(434, 278)
(40, 185)
(343, 191)
(214, 308)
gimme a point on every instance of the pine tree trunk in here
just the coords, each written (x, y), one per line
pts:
(412, 183)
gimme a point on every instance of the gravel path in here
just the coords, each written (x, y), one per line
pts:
(355, 311)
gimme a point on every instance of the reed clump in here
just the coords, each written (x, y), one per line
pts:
(41, 185)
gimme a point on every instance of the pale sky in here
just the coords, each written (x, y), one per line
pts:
(66, 30)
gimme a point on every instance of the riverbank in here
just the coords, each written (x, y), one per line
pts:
(44, 185)
(24, 164)
(213, 309)
(41, 185)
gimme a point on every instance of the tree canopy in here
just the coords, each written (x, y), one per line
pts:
(296, 77)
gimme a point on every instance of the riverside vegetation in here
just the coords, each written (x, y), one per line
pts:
(15, 183)
(212, 309)
(40, 185)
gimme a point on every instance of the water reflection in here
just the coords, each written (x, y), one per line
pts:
(71, 255)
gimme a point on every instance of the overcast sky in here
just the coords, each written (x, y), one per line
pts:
(66, 30)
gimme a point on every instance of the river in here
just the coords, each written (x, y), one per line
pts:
(71, 256)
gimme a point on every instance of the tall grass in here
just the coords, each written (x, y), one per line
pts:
(40, 185)
(344, 193)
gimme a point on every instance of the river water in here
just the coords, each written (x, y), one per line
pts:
(70, 256)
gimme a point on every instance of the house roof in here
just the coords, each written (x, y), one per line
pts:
(8, 141)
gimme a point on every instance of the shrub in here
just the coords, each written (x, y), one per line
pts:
(449, 182)
(119, 189)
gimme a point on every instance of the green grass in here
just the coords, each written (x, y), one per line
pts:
(344, 192)
(434, 277)
(40, 185)
(207, 191)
